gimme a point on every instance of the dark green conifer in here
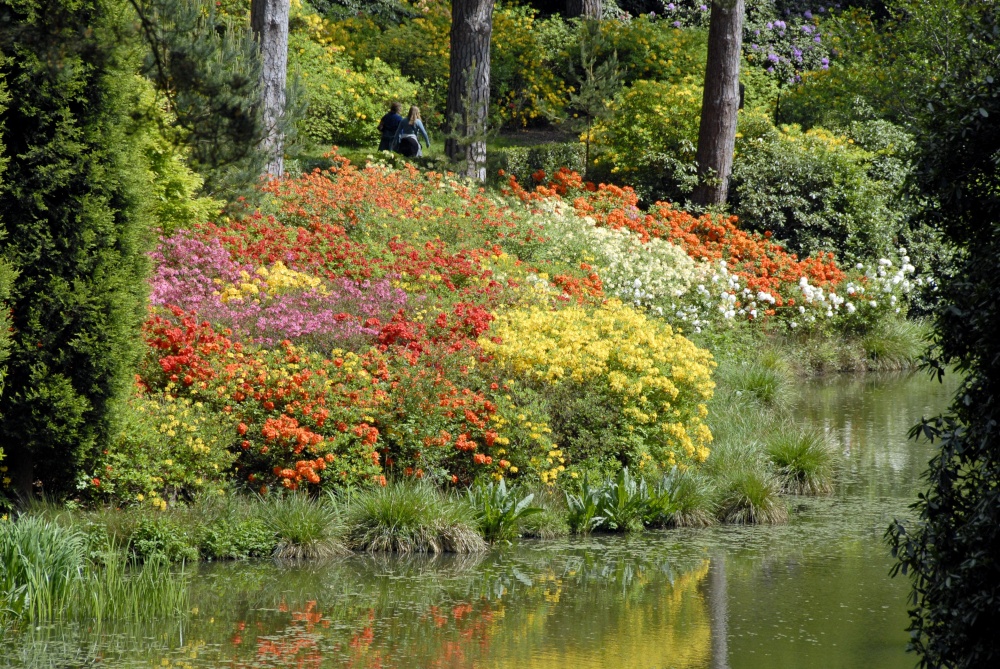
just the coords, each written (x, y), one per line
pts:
(74, 224)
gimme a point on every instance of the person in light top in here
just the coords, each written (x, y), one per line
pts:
(406, 140)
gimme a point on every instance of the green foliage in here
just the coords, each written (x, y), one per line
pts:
(306, 528)
(765, 379)
(500, 510)
(650, 139)
(411, 518)
(40, 562)
(653, 50)
(7, 272)
(344, 102)
(164, 450)
(76, 186)
(163, 537)
(895, 343)
(585, 506)
(819, 191)
(750, 495)
(804, 460)
(625, 503)
(521, 162)
(948, 551)
(208, 68)
(45, 574)
(683, 499)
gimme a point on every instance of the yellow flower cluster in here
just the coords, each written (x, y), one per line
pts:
(525, 440)
(273, 281)
(660, 380)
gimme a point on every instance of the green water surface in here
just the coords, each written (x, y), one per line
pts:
(813, 593)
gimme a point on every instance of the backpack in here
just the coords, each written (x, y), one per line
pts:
(409, 146)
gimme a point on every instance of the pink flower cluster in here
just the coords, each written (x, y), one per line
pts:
(190, 273)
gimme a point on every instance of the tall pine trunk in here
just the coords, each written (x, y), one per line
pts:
(469, 84)
(269, 23)
(720, 102)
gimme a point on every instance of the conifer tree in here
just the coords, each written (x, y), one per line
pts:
(74, 224)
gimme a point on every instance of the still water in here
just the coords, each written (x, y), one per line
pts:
(813, 593)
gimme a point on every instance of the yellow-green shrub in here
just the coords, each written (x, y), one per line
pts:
(656, 380)
(650, 139)
(344, 103)
(165, 449)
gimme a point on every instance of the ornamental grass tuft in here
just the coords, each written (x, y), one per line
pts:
(406, 517)
(752, 496)
(804, 461)
(306, 528)
(895, 343)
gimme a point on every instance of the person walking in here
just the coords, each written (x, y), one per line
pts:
(406, 140)
(388, 125)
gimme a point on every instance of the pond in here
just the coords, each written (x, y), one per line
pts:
(812, 593)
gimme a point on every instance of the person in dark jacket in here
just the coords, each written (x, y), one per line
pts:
(406, 141)
(387, 127)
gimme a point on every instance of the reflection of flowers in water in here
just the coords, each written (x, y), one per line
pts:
(597, 607)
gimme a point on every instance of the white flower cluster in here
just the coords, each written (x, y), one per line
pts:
(644, 274)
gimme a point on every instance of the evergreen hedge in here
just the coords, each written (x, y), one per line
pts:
(74, 221)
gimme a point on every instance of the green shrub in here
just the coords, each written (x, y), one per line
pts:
(411, 518)
(819, 191)
(650, 139)
(521, 162)
(344, 103)
(585, 507)
(805, 462)
(682, 499)
(306, 528)
(500, 510)
(75, 206)
(552, 520)
(159, 536)
(165, 450)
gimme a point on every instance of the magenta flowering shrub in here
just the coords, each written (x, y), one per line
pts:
(267, 305)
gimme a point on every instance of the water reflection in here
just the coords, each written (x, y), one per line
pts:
(813, 593)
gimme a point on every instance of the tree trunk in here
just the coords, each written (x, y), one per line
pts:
(720, 102)
(469, 84)
(269, 23)
(588, 9)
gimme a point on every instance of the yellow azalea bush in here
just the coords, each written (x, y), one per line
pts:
(658, 381)
(167, 449)
(273, 280)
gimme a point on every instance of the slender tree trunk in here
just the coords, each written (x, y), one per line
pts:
(469, 83)
(720, 102)
(590, 9)
(269, 23)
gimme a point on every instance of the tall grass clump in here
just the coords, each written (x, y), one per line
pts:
(765, 380)
(895, 343)
(40, 566)
(120, 588)
(408, 517)
(684, 499)
(306, 528)
(551, 521)
(500, 510)
(752, 495)
(804, 461)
